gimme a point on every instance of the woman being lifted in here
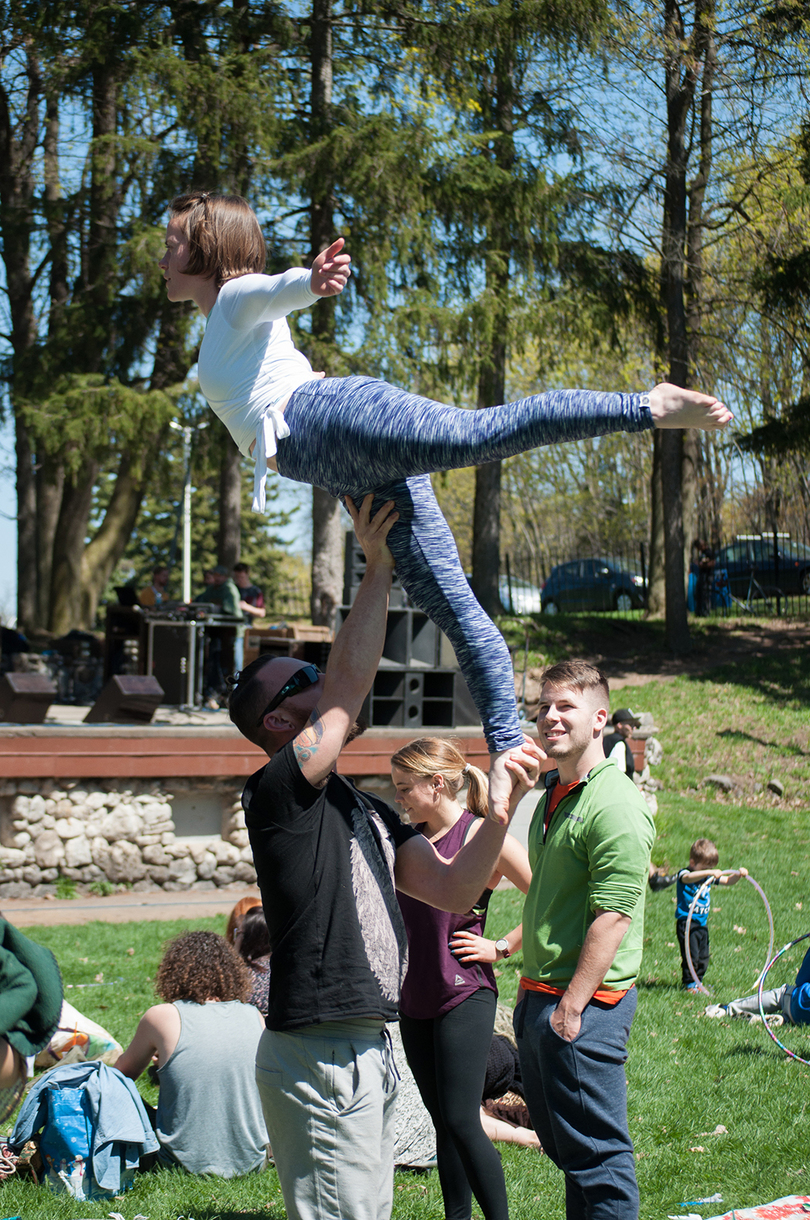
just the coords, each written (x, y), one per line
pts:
(356, 435)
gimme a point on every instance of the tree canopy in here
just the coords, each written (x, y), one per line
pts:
(533, 193)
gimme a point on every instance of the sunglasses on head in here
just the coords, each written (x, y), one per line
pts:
(301, 679)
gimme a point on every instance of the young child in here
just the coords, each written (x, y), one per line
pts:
(355, 435)
(703, 859)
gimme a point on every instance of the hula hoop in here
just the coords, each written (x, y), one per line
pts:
(765, 972)
(768, 963)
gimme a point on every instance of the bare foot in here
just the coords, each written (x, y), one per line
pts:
(672, 407)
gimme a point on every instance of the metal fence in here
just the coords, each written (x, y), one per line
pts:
(748, 574)
(288, 599)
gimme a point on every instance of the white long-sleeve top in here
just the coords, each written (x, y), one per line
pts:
(248, 363)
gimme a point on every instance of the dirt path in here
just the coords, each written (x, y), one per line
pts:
(629, 656)
(746, 641)
(124, 908)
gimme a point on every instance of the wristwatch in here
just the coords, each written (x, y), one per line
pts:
(502, 947)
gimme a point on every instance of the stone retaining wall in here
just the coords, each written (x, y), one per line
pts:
(123, 832)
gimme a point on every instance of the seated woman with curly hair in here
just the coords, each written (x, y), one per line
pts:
(209, 1116)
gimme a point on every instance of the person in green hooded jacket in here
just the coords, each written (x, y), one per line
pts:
(30, 1003)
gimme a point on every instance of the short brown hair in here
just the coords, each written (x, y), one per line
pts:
(704, 853)
(202, 966)
(429, 756)
(225, 239)
(242, 907)
(579, 675)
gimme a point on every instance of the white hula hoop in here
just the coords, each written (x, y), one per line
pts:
(706, 884)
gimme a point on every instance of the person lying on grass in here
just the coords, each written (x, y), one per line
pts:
(791, 1000)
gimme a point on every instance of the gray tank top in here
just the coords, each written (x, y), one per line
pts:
(209, 1116)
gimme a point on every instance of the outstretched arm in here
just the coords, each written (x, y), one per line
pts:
(701, 874)
(730, 876)
(356, 651)
(330, 270)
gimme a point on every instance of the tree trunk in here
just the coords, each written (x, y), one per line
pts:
(18, 145)
(71, 599)
(50, 479)
(486, 542)
(50, 474)
(229, 532)
(327, 534)
(327, 558)
(656, 593)
(67, 598)
(26, 529)
(681, 64)
(694, 475)
(486, 546)
(101, 243)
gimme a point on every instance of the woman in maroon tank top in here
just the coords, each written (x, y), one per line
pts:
(447, 1009)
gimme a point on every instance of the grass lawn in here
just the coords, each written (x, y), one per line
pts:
(714, 1105)
(730, 711)
(688, 1075)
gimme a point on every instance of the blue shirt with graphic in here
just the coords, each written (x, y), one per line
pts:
(685, 895)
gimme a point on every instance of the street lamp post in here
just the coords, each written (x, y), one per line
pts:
(187, 431)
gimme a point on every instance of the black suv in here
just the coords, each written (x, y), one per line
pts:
(755, 554)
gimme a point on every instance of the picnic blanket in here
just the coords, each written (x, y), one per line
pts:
(781, 1209)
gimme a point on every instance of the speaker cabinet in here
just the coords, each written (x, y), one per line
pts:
(126, 699)
(174, 658)
(354, 568)
(412, 640)
(419, 699)
(25, 698)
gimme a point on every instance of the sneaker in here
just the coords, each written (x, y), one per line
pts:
(716, 1010)
(691, 987)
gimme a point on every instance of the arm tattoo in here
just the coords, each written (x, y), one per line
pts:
(307, 742)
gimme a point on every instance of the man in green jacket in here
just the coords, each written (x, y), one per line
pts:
(583, 923)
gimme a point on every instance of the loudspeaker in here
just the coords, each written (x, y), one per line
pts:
(412, 640)
(126, 699)
(353, 570)
(415, 699)
(174, 658)
(25, 698)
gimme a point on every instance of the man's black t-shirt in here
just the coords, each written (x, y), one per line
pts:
(324, 859)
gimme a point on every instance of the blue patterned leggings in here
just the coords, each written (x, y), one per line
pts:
(353, 436)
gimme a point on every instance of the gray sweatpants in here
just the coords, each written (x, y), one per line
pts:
(328, 1096)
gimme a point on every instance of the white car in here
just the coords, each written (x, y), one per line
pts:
(524, 599)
